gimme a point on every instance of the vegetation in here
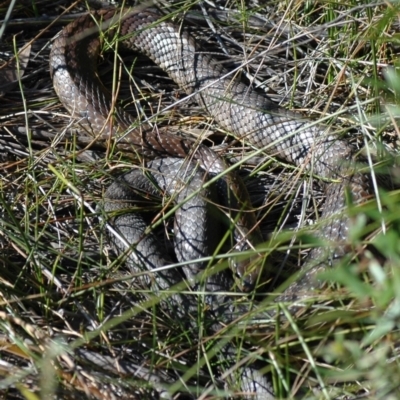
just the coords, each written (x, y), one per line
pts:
(74, 323)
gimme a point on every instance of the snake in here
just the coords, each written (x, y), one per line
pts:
(248, 114)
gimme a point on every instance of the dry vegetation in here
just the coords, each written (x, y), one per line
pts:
(73, 323)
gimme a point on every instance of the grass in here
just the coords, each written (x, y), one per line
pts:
(74, 322)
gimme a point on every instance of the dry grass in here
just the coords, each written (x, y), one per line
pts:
(74, 325)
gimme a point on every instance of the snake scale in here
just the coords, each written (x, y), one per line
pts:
(238, 108)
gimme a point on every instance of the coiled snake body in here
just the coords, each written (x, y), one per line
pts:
(238, 108)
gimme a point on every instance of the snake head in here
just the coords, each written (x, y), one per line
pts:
(248, 271)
